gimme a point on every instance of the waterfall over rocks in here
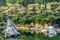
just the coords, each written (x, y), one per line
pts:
(10, 29)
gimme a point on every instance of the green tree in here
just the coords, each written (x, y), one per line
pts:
(26, 2)
(2, 2)
(43, 1)
(51, 18)
(43, 20)
(22, 20)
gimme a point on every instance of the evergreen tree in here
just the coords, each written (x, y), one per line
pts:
(2, 2)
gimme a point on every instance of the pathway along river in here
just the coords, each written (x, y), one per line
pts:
(31, 37)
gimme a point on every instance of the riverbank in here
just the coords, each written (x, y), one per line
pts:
(27, 36)
(31, 29)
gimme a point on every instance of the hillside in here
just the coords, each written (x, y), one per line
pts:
(25, 12)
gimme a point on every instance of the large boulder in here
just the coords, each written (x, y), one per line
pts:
(51, 31)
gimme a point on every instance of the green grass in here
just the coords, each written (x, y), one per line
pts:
(27, 36)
